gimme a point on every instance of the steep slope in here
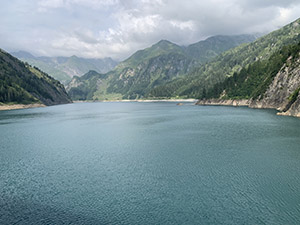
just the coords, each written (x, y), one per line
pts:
(91, 86)
(23, 84)
(270, 83)
(229, 62)
(205, 50)
(135, 76)
(163, 47)
(146, 69)
(136, 82)
(64, 68)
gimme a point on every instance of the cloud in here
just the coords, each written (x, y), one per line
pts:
(45, 5)
(117, 28)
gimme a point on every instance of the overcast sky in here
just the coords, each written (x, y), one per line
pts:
(117, 28)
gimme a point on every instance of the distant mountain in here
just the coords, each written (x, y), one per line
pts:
(269, 83)
(163, 47)
(21, 83)
(151, 67)
(205, 50)
(64, 68)
(229, 62)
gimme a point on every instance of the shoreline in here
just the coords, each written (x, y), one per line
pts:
(4, 107)
(243, 103)
(20, 106)
(221, 102)
(208, 102)
(191, 100)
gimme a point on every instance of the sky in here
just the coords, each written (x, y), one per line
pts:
(118, 28)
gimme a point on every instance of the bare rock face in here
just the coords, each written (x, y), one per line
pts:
(75, 82)
(283, 93)
(227, 102)
(279, 93)
(294, 110)
(284, 84)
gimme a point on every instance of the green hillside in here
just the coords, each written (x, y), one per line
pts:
(252, 82)
(229, 62)
(22, 84)
(206, 50)
(163, 47)
(146, 69)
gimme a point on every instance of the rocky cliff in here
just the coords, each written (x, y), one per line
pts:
(282, 94)
(279, 93)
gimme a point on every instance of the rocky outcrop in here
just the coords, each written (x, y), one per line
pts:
(282, 94)
(294, 110)
(284, 84)
(228, 102)
(75, 82)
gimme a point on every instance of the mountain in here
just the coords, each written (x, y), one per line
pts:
(21, 83)
(89, 86)
(148, 68)
(205, 50)
(64, 68)
(229, 62)
(269, 83)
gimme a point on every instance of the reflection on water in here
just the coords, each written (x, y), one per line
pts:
(14, 116)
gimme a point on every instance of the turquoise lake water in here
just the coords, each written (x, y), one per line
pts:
(148, 163)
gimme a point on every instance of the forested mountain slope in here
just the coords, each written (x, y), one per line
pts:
(229, 62)
(269, 83)
(22, 84)
(151, 67)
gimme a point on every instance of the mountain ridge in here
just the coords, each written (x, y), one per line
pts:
(145, 69)
(64, 68)
(229, 62)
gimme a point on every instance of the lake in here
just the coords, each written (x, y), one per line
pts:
(148, 163)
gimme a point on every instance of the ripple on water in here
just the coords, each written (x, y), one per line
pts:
(136, 163)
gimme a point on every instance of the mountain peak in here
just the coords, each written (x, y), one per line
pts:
(23, 54)
(164, 44)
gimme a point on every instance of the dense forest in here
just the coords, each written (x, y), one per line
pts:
(226, 64)
(21, 83)
(252, 81)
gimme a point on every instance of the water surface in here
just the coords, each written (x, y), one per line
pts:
(148, 163)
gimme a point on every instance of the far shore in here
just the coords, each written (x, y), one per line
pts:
(143, 100)
(26, 106)
(20, 106)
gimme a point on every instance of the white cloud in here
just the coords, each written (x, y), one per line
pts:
(51, 4)
(117, 28)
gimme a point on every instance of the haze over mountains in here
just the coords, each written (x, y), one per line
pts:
(64, 68)
(260, 72)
